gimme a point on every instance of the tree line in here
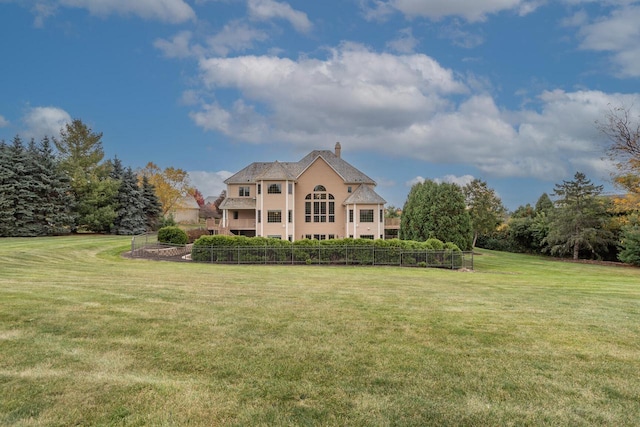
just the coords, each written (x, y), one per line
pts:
(65, 187)
(580, 222)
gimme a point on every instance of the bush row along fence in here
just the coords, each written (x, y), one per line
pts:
(145, 246)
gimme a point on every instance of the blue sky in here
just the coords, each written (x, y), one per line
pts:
(507, 91)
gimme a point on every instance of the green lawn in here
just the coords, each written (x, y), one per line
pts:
(90, 338)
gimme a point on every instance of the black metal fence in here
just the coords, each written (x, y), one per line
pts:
(147, 246)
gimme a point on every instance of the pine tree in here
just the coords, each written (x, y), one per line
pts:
(55, 196)
(81, 157)
(580, 219)
(151, 205)
(22, 195)
(6, 191)
(130, 217)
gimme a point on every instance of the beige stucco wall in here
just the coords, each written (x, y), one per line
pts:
(318, 173)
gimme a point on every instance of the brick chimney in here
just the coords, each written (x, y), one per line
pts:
(338, 149)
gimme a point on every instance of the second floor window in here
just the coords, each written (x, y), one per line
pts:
(323, 207)
(274, 189)
(244, 192)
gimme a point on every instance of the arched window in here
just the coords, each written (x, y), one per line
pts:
(323, 207)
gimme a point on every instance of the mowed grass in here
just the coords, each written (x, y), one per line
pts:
(88, 337)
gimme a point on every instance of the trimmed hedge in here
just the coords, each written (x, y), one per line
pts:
(172, 235)
(242, 249)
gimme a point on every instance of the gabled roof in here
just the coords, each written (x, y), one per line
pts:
(276, 171)
(238, 203)
(365, 195)
(266, 171)
(187, 202)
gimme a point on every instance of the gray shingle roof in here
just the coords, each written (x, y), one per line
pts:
(292, 170)
(238, 203)
(364, 194)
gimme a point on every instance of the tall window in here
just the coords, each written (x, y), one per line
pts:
(366, 215)
(243, 191)
(290, 216)
(323, 207)
(274, 216)
(350, 215)
(290, 188)
(274, 189)
(259, 216)
(259, 188)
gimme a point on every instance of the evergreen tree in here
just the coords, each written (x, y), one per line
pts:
(130, 218)
(55, 197)
(439, 211)
(81, 157)
(6, 191)
(22, 196)
(580, 219)
(150, 205)
(630, 242)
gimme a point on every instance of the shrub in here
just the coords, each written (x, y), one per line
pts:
(195, 234)
(172, 235)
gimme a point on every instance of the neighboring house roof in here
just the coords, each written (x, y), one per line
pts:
(364, 194)
(258, 171)
(238, 203)
(187, 202)
(210, 200)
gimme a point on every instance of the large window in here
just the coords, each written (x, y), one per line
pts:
(274, 189)
(323, 207)
(244, 191)
(274, 216)
(366, 215)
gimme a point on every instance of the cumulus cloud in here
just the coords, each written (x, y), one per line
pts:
(44, 121)
(406, 106)
(470, 10)
(265, 10)
(236, 36)
(405, 42)
(3, 122)
(172, 11)
(617, 33)
(178, 47)
(453, 179)
(209, 183)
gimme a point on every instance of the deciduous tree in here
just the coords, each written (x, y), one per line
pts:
(171, 184)
(484, 207)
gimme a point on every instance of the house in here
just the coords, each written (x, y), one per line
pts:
(186, 211)
(320, 197)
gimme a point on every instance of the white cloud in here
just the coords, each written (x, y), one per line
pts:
(209, 183)
(172, 11)
(178, 47)
(264, 10)
(3, 122)
(406, 106)
(41, 121)
(453, 179)
(405, 43)
(617, 33)
(236, 36)
(470, 10)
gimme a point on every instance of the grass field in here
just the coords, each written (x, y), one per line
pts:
(90, 338)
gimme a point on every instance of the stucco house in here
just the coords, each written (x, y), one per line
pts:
(186, 211)
(320, 197)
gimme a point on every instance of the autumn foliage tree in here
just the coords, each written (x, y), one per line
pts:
(171, 184)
